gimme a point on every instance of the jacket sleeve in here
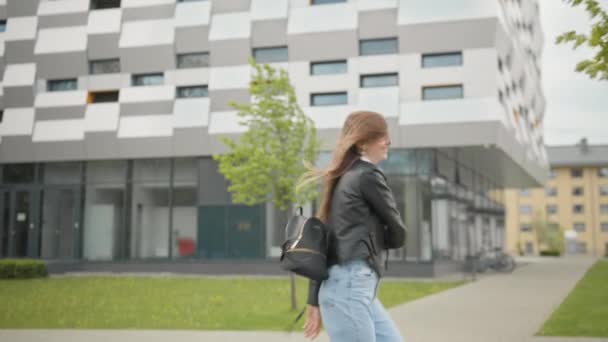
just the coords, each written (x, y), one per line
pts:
(313, 292)
(376, 192)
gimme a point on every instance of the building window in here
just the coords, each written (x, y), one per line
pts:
(579, 227)
(529, 248)
(193, 60)
(604, 227)
(551, 192)
(576, 173)
(324, 2)
(270, 55)
(1, 115)
(104, 4)
(147, 79)
(328, 68)
(578, 191)
(578, 209)
(379, 80)
(62, 85)
(192, 91)
(2, 25)
(525, 227)
(602, 172)
(328, 99)
(604, 190)
(524, 192)
(442, 92)
(603, 209)
(525, 210)
(551, 209)
(190, 0)
(108, 66)
(103, 96)
(433, 60)
(378, 46)
(582, 247)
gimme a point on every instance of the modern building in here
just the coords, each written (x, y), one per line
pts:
(575, 198)
(112, 110)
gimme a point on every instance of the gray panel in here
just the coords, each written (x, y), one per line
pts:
(378, 24)
(328, 138)
(191, 141)
(63, 20)
(223, 6)
(320, 46)
(192, 39)
(19, 51)
(103, 46)
(146, 108)
(148, 12)
(19, 96)
(16, 149)
(102, 81)
(147, 59)
(448, 36)
(269, 33)
(101, 145)
(221, 98)
(21, 8)
(59, 150)
(59, 113)
(61, 65)
(145, 147)
(229, 52)
(217, 146)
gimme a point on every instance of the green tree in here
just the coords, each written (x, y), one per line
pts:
(549, 236)
(265, 162)
(597, 39)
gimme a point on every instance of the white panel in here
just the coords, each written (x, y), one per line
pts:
(17, 121)
(103, 22)
(193, 76)
(375, 64)
(381, 100)
(328, 116)
(147, 94)
(265, 9)
(61, 99)
(63, 39)
(21, 28)
(102, 117)
(193, 14)
(58, 130)
(18, 75)
(371, 5)
(450, 111)
(230, 26)
(423, 11)
(237, 77)
(144, 126)
(62, 7)
(147, 33)
(145, 3)
(332, 17)
(225, 122)
(191, 113)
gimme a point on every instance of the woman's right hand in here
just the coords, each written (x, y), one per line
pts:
(313, 323)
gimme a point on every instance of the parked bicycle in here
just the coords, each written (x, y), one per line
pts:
(495, 259)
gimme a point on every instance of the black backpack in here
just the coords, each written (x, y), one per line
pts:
(304, 251)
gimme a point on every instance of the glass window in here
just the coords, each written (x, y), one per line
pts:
(604, 190)
(442, 92)
(579, 227)
(576, 173)
(433, 60)
(323, 2)
(18, 173)
(602, 172)
(103, 96)
(578, 191)
(192, 91)
(270, 55)
(148, 79)
(62, 85)
(62, 173)
(380, 80)
(551, 192)
(551, 209)
(328, 99)
(328, 68)
(604, 208)
(525, 227)
(2, 25)
(525, 210)
(185, 211)
(378, 46)
(578, 209)
(108, 66)
(103, 4)
(604, 227)
(193, 60)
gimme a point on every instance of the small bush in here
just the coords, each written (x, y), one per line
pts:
(553, 253)
(22, 269)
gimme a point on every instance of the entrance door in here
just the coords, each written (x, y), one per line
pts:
(4, 222)
(18, 226)
(61, 223)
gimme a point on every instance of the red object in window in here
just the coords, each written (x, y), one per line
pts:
(186, 246)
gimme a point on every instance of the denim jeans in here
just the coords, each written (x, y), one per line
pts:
(349, 308)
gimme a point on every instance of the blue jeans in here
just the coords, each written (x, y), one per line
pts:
(349, 308)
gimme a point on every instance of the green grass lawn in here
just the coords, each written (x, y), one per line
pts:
(167, 303)
(585, 311)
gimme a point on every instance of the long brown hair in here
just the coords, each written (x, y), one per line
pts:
(360, 127)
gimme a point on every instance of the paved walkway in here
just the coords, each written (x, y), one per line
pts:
(496, 308)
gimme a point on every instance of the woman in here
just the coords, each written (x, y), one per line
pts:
(359, 210)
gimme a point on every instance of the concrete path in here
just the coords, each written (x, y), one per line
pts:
(496, 308)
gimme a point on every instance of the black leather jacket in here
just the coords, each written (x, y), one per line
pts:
(363, 220)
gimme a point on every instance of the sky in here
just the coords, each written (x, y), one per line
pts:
(577, 106)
